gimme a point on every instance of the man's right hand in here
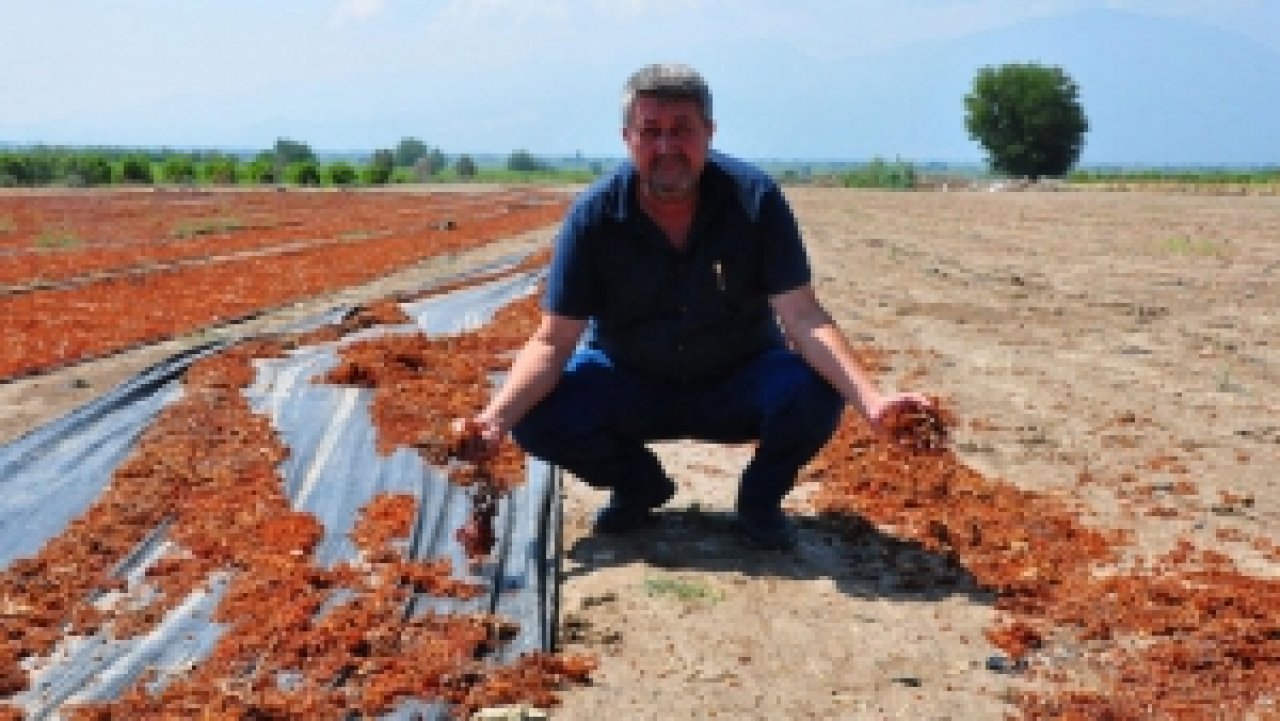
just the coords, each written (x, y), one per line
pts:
(533, 374)
(474, 439)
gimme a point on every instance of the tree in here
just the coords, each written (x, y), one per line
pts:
(15, 170)
(428, 165)
(292, 151)
(303, 172)
(220, 169)
(42, 165)
(1028, 118)
(136, 169)
(523, 161)
(263, 169)
(178, 169)
(409, 150)
(342, 173)
(287, 152)
(380, 167)
(89, 168)
(465, 167)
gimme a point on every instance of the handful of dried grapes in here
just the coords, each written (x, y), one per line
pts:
(917, 427)
(477, 535)
(466, 443)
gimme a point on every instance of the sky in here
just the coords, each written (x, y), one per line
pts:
(819, 79)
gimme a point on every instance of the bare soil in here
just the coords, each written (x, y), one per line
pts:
(1071, 332)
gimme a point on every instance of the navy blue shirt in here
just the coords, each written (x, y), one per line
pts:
(679, 317)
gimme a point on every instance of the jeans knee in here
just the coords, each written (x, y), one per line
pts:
(814, 409)
(536, 433)
(828, 406)
(570, 414)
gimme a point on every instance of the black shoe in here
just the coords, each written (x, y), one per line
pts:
(625, 514)
(769, 531)
(614, 519)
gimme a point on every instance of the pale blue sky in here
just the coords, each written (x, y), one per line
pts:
(1177, 80)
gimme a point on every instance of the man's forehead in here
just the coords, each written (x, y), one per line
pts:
(655, 108)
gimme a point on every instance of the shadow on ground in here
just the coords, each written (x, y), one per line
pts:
(863, 561)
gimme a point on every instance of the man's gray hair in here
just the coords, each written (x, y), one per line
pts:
(666, 81)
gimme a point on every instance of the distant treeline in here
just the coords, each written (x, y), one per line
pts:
(287, 162)
(290, 162)
(1232, 176)
(876, 173)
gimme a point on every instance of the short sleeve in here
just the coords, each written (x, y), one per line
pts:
(786, 263)
(570, 289)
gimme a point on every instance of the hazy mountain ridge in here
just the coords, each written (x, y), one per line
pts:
(1182, 104)
(1195, 95)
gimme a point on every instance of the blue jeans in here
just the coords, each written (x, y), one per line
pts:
(599, 416)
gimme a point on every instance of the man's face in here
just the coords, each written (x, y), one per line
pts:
(668, 141)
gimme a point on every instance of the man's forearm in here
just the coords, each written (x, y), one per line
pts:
(533, 374)
(824, 347)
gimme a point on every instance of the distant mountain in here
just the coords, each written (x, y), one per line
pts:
(1183, 93)
(1155, 90)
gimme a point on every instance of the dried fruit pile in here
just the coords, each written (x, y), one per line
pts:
(1185, 636)
(918, 428)
(422, 385)
(48, 328)
(53, 239)
(205, 473)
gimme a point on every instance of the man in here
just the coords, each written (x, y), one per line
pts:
(684, 267)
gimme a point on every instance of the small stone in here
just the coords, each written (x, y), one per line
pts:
(1004, 664)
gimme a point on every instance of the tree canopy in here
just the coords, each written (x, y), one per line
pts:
(381, 166)
(408, 151)
(1028, 118)
(524, 161)
(292, 151)
(465, 167)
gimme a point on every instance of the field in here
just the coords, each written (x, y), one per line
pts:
(1109, 520)
(83, 276)
(1115, 352)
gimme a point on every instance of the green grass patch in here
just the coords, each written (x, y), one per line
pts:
(1227, 384)
(682, 589)
(1184, 245)
(1195, 176)
(205, 226)
(57, 239)
(7, 225)
(879, 173)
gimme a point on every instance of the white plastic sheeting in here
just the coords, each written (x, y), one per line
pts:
(52, 474)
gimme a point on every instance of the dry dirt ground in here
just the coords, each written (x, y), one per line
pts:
(1070, 331)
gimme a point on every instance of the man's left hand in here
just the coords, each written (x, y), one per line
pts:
(911, 420)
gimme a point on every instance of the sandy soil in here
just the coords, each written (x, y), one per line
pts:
(1046, 317)
(1071, 332)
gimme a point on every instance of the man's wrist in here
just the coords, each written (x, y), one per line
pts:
(495, 423)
